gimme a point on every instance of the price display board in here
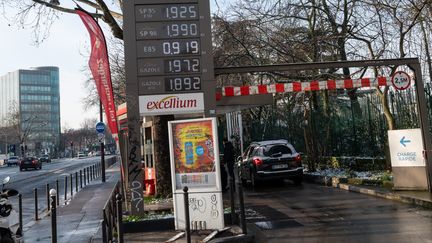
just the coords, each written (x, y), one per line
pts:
(169, 43)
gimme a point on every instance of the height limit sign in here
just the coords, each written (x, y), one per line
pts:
(401, 80)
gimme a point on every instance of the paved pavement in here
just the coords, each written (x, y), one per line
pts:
(80, 220)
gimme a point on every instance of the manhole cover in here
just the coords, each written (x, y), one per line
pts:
(277, 224)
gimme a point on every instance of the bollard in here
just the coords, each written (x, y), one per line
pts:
(20, 218)
(88, 175)
(71, 185)
(47, 196)
(232, 201)
(76, 181)
(36, 204)
(242, 209)
(186, 210)
(80, 179)
(119, 218)
(65, 189)
(85, 180)
(53, 194)
(58, 192)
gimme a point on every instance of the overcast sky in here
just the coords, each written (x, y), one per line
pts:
(64, 48)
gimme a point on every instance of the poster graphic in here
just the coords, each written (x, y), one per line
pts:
(193, 154)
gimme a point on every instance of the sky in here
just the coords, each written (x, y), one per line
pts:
(67, 47)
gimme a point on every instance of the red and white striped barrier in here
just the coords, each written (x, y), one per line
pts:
(229, 91)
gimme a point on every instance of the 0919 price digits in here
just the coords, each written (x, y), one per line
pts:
(182, 84)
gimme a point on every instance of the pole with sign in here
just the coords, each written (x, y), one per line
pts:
(100, 129)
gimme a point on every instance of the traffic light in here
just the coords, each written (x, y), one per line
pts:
(22, 150)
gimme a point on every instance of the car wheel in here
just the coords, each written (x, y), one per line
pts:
(298, 180)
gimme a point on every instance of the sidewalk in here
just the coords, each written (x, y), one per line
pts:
(80, 220)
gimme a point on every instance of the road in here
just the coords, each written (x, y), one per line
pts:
(313, 213)
(26, 181)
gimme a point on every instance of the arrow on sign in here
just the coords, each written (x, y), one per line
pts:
(403, 141)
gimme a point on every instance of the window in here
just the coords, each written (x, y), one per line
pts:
(277, 150)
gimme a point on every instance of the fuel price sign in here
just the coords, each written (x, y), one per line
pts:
(171, 42)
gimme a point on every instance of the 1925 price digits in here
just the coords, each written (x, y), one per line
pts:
(181, 12)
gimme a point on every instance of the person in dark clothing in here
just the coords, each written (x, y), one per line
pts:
(229, 157)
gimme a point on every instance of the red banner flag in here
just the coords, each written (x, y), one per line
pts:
(99, 66)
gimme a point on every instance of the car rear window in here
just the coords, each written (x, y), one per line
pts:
(276, 150)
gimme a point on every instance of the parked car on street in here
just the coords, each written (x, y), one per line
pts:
(81, 156)
(272, 159)
(45, 158)
(13, 160)
(30, 162)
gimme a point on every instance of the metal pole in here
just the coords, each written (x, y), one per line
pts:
(119, 218)
(71, 185)
(102, 145)
(47, 196)
(36, 204)
(81, 179)
(65, 189)
(88, 175)
(84, 174)
(53, 194)
(58, 192)
(186, 209)
(104, 229)
(20, 216)
(232, 200)
(76, 181)
(242, 209)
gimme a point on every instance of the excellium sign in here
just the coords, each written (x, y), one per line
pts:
(171, 104)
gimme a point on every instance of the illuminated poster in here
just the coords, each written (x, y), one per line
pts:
(193, 153)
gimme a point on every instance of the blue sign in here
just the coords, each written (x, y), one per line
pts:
(100, 127)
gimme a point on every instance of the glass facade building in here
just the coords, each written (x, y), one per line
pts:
(35, 94)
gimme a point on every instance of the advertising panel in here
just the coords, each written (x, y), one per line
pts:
(195, 163)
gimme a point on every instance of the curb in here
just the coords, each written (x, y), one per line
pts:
(334, 182)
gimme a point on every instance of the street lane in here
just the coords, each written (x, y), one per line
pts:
(313, 213)
(26, 181)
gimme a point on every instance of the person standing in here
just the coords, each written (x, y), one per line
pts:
(229, 157)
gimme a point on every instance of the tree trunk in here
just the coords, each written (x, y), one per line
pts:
(162, 155)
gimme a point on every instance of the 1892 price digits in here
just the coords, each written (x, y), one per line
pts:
(182, 84)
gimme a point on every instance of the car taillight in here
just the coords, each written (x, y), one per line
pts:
(298, 160)
(257, 161)
(34, 162)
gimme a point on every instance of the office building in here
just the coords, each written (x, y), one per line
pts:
(34, 94)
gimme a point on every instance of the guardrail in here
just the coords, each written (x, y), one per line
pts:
(112, 216)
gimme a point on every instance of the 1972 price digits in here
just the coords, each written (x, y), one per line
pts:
(182, 84)
(182, 65)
